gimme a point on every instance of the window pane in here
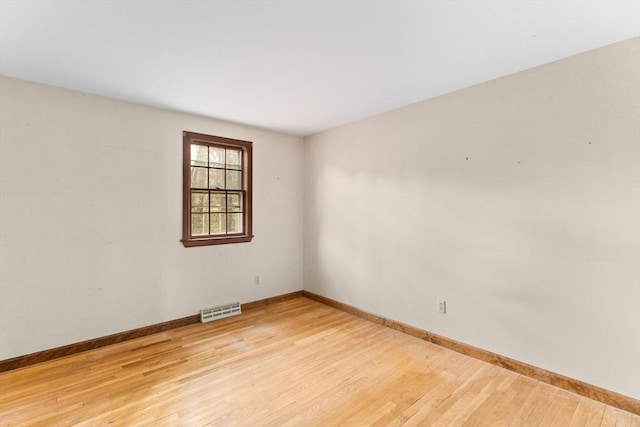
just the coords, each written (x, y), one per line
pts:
(234, 224)
(199, 224)
(216, 178)
(218, 223)
(199, 201)
(198, 177)
(234, 181)
(218, 202)
(234, 202)
(234, 158)
(198, 155)
(216, 157)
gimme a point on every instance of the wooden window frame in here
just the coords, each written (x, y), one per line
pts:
(189, 138)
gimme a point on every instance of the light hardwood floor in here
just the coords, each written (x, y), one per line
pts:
(294, 363)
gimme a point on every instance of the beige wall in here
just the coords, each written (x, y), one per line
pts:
(90, 219)
(517, 201)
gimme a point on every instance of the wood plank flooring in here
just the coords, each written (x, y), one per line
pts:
(293, 363)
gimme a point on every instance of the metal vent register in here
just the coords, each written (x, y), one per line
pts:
(215, 313)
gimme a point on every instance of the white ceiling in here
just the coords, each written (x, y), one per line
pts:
(298, 67)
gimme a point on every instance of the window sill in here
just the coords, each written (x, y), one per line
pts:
(216, 241)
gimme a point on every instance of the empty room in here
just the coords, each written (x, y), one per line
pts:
(319, 213)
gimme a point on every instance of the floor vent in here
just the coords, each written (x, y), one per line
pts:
(215, 313)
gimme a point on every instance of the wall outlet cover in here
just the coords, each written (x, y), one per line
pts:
(442, 307)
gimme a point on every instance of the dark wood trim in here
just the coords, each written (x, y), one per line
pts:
(576, 386)
(254, 305)
(218, 241)
(246, 147)
(67, 350)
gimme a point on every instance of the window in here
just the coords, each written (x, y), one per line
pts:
(216, 190)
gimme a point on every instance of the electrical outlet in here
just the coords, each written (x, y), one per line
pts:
(256, 280)
(442, 307)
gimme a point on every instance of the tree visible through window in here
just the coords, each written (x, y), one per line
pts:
(216, 190)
